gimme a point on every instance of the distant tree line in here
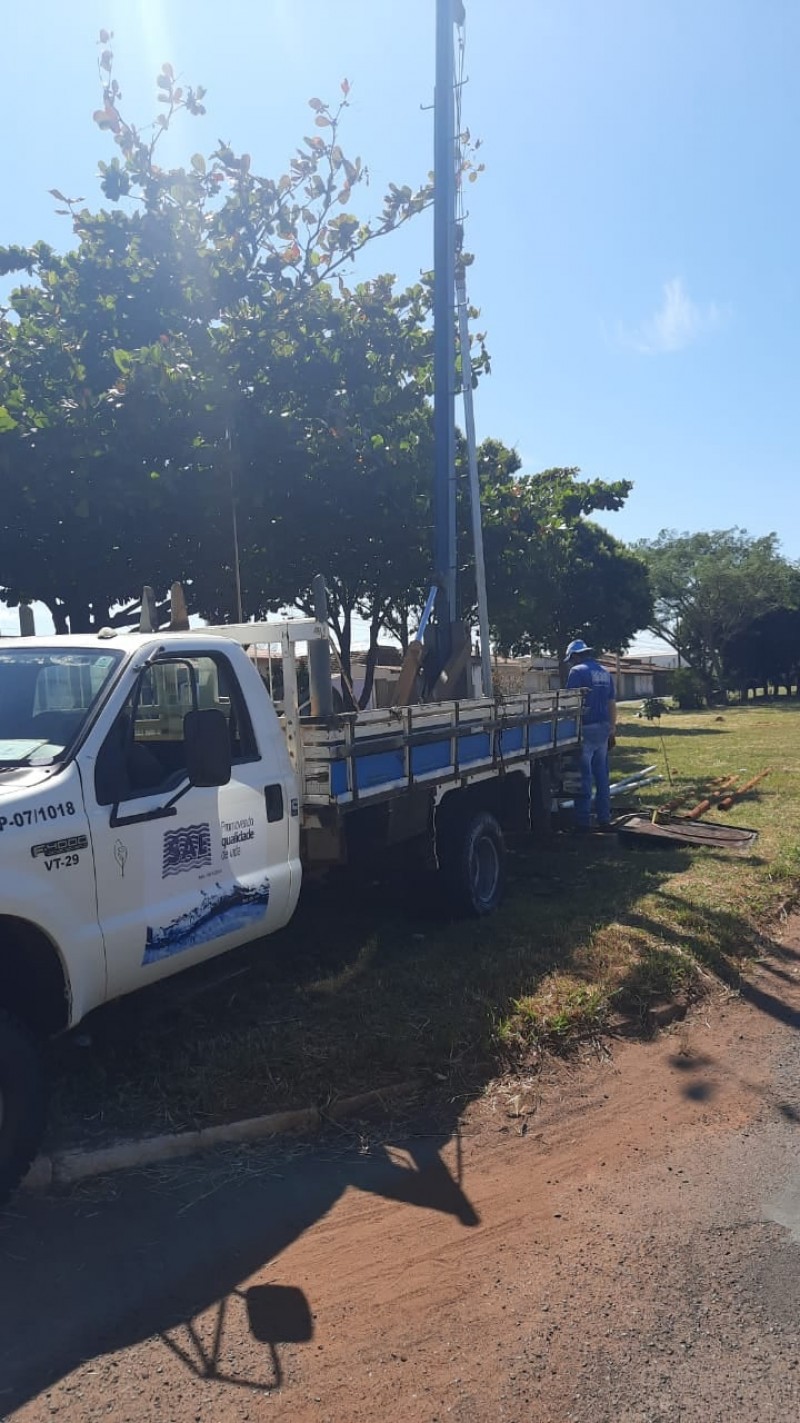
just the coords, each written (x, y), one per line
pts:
(729, 605)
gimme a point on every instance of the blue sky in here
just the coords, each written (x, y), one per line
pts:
(635, 231)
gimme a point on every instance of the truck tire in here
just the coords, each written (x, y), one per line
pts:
(472, 861)
(23, 1102)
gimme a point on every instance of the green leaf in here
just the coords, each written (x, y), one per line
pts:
(123, 360)
(6, 420)
(107, 118)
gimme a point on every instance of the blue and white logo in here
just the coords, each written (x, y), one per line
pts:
(186, 849)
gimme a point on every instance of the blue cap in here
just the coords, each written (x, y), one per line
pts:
(575, 648)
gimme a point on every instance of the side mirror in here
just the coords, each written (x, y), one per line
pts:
(208, 748)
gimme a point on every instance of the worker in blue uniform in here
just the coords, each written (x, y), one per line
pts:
(599, 733)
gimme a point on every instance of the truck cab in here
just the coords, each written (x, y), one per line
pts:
(104, 836)
(121, 859)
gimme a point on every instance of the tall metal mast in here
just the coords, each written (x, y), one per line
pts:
(448, 14)
(474, 478)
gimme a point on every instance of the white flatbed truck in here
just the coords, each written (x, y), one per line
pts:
(157, 808)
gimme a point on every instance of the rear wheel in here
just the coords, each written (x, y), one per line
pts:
(23, 1102)
(472, 862)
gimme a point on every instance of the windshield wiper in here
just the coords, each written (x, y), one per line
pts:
(20, 762)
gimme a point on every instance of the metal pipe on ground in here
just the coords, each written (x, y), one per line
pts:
(671, 805)
(618, 788)
(635, 776)
(697, 810)
(728, 800)
(621, 786)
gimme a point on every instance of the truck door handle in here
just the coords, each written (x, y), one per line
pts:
(274, 798)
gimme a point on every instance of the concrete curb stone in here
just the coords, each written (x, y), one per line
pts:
(67, 1168)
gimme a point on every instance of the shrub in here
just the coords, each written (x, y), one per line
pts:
(687, 689)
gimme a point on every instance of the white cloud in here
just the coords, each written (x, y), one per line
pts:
(677, 323)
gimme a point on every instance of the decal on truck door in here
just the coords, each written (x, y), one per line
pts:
(60, 847)
(235, 834)
(61, 854)
(186, 849)
(220, 911)
(121, 856)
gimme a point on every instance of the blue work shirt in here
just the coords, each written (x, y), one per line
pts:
(599, 686)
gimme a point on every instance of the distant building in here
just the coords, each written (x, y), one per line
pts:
(636, 679)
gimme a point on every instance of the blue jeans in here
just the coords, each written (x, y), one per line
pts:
(594, 766)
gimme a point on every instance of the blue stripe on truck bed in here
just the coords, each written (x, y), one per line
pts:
(512, 739)
(338, 778)
(386, 768)
(379, 769)
(541, 734)
(433, 757)
(474, 748)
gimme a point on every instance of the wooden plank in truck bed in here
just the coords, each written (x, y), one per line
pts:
(356, 759)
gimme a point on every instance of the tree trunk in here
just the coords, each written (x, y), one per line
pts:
(58, 613)
(371, 663)
(345, 657)
(80, 617)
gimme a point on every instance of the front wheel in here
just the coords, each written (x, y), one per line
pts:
(472, 861)
(23, 1102)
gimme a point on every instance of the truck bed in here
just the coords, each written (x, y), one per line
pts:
(366, 757)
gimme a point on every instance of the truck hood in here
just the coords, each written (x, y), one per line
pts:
(25, 778)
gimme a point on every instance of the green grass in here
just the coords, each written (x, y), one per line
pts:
(369, 987)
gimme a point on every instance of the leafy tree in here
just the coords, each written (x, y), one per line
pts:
(687, 689)
(553, 573)
(766, 652)
(355, 502)
(709, 587)
(139, 371)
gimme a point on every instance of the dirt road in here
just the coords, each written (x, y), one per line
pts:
(627, 1251)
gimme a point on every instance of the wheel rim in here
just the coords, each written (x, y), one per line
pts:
(485, 870)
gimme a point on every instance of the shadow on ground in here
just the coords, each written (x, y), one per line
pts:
(90, 1274)
(643, 730)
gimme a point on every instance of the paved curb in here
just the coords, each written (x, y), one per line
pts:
(66, 1168)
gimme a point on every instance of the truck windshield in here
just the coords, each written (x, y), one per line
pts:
(45, 699)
